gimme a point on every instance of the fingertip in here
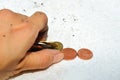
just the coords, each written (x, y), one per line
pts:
(39, 19)
(57, 58)
(42, 15)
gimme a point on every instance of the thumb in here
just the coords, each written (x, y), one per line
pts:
(40, 60)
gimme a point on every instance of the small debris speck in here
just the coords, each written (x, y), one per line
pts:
(54, 18)
(73, 35)
(4, 35)
(42, 4)
(35, 2)
(64, 19)
(11, 24)
(75, 19)
(24, 10)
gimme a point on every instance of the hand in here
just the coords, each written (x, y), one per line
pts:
(17, 34)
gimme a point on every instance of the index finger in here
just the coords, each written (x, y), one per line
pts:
(27, 32)
(39, 19)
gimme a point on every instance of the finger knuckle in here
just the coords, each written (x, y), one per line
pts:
(42, 15)
(6, 12)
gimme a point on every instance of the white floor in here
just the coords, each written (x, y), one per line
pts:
(93, 24)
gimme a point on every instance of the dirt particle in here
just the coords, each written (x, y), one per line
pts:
(73, 35)
(35, 2)
(54, 18)
(24, 10)
(75, 19)
(42, 4)
(4, 35)
(11, 25)
(63, 19)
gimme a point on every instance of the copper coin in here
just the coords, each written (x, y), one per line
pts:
(85, 54)
(69, 53)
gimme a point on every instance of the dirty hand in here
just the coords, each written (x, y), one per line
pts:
(17, 34)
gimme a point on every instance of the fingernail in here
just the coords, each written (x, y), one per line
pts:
(58, 57)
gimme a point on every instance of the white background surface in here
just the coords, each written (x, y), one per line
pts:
(93, 24)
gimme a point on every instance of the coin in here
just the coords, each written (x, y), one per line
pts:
(46, 45)
(56, 45)
(85, 54)
(69, 53)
